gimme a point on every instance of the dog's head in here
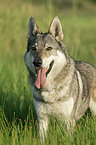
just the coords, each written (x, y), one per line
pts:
(44, 52)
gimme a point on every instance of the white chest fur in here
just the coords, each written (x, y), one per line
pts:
(64, 109)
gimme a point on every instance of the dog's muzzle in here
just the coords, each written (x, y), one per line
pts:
(37, 62)
(41, 73)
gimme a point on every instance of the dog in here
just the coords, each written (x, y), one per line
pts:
(60, 85)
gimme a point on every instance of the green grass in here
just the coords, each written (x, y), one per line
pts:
(18, 124)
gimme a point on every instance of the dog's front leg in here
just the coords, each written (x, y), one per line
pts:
(43, 119)
(43, 126)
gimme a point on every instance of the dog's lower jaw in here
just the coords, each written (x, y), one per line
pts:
(50, 67)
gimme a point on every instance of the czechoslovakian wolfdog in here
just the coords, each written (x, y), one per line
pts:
(60, 85)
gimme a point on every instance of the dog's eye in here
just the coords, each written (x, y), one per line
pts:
(33, 48)
(49, 48)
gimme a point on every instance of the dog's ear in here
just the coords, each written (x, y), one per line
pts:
(32, 28)
(56, 29)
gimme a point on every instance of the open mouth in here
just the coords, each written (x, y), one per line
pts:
(42, 74)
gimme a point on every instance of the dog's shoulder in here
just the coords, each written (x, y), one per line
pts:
(85, 68)
(87, 72)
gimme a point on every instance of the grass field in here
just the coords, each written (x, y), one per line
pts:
(18, 125)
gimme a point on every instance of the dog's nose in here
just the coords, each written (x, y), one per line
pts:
(37, 62)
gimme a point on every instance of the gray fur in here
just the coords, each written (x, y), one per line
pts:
(70, 87)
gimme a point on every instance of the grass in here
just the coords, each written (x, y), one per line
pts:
(18, 123)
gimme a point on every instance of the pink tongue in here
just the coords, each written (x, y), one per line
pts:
(41, 78)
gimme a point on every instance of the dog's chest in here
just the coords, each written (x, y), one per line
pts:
(63, 108)
(58, 108)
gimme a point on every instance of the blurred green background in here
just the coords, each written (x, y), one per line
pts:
(78, 19)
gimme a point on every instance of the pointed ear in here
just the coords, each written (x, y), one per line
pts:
(32, 28)
(56, 29)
